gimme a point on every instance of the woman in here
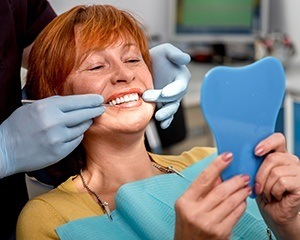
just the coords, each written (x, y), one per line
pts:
(100, 49)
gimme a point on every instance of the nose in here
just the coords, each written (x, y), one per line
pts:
(122, 73)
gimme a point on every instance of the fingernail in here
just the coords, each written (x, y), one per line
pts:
(226, 157)
(257, 189)
(259, 150)
(246, 178)
(249, 189)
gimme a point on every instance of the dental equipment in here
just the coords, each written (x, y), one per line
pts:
(29, 101)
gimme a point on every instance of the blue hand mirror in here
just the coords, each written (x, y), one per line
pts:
(240, 105)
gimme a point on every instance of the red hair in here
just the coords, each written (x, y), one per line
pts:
(55, 52)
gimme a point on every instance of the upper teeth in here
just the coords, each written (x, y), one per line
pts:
(124, 99)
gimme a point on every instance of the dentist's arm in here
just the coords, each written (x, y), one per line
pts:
(44, 132)
(171, 79)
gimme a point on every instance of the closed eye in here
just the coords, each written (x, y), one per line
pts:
(133, 60)
(95, 68)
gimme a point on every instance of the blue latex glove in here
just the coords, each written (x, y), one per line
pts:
(42, 133)
(171, 79)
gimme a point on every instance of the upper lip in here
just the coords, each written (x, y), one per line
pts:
(123, 93)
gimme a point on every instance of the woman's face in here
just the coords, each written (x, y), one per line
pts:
(120, 75)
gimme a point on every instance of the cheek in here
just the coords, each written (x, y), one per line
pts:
(81, 86)
(150, 85)
(84, 89)
(148, 80)
(71, 86)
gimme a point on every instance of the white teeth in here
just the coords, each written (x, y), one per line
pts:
(126, 98)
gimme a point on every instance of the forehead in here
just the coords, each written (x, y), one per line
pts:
(88, 42)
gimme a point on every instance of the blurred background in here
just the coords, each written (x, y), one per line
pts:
(218, 32)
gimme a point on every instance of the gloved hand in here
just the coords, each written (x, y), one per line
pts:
(42, 133)
(171, 79)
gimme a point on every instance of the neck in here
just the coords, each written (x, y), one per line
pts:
(122, 154)
(109, 166)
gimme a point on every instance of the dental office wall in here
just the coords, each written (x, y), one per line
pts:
(151, 12)
(285, 19)
(283, 15)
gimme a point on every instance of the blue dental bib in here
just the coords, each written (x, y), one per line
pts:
(145, 210)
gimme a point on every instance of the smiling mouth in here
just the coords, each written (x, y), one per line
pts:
(132, 97)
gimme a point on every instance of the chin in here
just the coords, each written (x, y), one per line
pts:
(136, 122)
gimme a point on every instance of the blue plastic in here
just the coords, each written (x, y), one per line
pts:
(240, 105)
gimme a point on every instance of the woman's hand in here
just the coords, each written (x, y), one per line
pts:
(278, 187)
(210, 208)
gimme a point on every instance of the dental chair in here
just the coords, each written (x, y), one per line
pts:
(36, 187)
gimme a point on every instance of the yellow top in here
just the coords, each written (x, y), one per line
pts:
(43, 214)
